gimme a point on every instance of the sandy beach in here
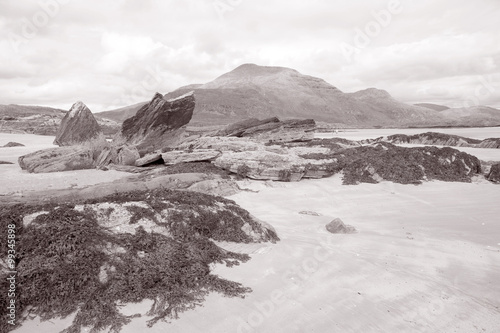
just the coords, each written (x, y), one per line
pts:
(425, 259)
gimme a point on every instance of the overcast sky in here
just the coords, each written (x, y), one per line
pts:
(112, 53)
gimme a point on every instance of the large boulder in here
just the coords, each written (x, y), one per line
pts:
(57, 159)
(494, 174)
(127, 155)
(77, 126)
(160, 123)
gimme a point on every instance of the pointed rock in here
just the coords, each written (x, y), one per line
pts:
(77, 126)
(159, 124)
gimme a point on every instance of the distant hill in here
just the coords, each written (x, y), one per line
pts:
(119, 115)
(435, 107)
(41, 120)
(14, 110)
(473, 116)
(30, 119)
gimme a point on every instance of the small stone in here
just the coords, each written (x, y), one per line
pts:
(337, 226)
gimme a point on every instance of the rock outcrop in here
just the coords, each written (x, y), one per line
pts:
(57, 159)
(77, 126)
(160, 123)
(337, 226)
(494, 174)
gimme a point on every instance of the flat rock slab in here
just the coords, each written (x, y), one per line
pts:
(262, 165)
(57, 159)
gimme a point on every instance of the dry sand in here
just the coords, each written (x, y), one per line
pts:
(426, 259)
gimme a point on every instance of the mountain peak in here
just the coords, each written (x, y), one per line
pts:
(253, 69)
(252, 76)
(371, 93)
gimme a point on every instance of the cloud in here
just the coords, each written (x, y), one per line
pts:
(114, 53)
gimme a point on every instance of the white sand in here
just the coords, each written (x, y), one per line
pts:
(426, 259)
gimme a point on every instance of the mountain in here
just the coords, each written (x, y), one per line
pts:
(473, 116)
(252, 91)
(119, 115)
(435, 107)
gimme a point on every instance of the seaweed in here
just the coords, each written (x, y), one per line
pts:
(68, 263)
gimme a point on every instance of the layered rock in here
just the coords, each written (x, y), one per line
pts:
(263, 165)
(272, 130)
(57, 159)
(199, 155)
(494, 174)
(160, 123)
(77, 126)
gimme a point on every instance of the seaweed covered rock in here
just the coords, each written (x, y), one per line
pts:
(440, 139)
(57, 159)
(90, 257)
(385, 161)
(77, 126)
(494, 174)
(160, 123)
